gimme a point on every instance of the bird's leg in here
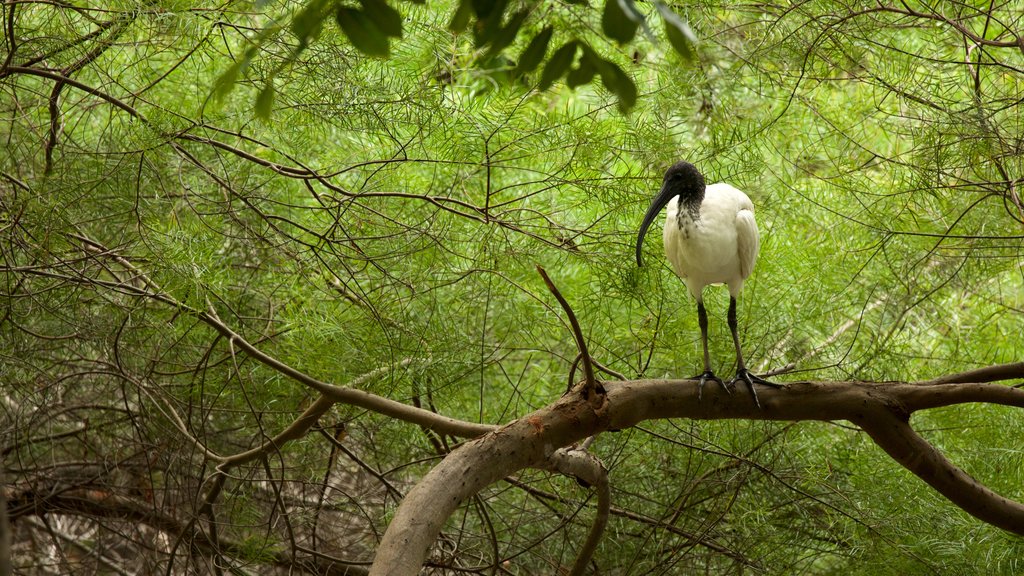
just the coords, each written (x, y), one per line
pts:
(702, 319)
(741, 372)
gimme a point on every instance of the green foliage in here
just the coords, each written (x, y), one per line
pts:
(620, 19)
(534, 52)
(363, 31)
(678, 32)
(371, 27)
(380, 226)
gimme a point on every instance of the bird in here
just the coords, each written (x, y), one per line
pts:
(710, 238)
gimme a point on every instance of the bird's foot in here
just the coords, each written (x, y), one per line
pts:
(750, 378)
(709, 375)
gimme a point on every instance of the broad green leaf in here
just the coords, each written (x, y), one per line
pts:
(306, 25)
(620, 20)
(584, 71)
(679, 33)
(362, 32)
(265, 101)
(507, 34)
(558, 64)
(488, 28)
(492, 9)
(534, 52)
(613, 78)
(383, 16)
(619, 83)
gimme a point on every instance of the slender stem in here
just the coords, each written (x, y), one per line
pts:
(577, 332)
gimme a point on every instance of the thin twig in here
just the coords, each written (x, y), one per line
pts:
(588, 368)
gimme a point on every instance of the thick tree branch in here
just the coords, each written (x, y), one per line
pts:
(995, 373)
(881, 409)
(913, 452)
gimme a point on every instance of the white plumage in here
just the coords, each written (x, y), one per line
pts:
(710, 237)
(720, 247)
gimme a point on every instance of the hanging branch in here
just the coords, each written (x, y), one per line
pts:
(584, 466)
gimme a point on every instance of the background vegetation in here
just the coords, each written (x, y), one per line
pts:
(376, 223)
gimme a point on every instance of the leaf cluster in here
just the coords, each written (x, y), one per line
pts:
(496, 26)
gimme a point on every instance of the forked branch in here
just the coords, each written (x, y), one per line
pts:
(881, 409)
(577, 332)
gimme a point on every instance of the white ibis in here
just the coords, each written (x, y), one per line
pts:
(710, 238)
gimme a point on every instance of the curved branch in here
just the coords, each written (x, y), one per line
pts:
(899, 440)
(881, 409)
(528, 441)
(294, 431)
(587, 468)
(577, 332)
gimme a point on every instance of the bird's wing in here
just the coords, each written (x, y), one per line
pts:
(748, 241)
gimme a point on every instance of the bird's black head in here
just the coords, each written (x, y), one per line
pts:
(681, 179)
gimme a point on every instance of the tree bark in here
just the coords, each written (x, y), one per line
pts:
(882, 409)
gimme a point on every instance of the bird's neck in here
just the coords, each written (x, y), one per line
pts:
(689, 208)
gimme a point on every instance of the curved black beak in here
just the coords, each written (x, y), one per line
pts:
(657, 205)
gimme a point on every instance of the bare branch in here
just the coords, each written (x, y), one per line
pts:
(881, 409)
(986, 374)
(916, 454)
(586, 467)
(101, 504)
(577, 332)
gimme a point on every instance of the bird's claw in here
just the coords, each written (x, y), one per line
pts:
(709, 375)
(750, 378)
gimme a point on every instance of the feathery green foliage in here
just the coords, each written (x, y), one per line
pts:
(376, 222)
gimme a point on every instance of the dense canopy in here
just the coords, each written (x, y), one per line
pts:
(244, 256)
